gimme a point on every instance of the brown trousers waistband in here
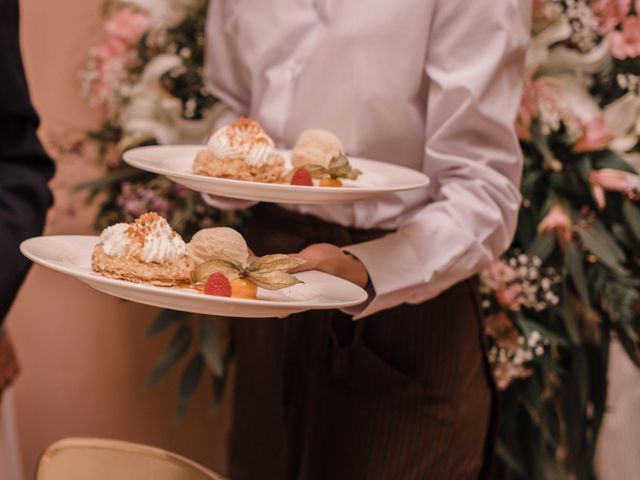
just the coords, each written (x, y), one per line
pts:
(273, 229)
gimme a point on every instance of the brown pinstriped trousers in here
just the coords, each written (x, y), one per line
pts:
(402, 394)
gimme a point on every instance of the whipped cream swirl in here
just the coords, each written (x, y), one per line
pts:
(149, 239)
(244, 139)
(115, 241)
(162, 244)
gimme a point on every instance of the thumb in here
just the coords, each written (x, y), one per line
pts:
(310, 262)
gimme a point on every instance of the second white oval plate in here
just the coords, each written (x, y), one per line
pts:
(71, 255)
(175, 163)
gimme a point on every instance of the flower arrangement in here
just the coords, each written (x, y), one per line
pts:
(571, 280)
(145, 78)
(567, 286)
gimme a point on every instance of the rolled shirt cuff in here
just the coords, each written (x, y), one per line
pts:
(399, 274)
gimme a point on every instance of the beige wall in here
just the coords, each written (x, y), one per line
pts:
(84, 355)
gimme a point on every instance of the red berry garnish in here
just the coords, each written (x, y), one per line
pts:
(302, 177)
(218, 284)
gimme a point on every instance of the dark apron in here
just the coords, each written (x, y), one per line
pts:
(402, 394)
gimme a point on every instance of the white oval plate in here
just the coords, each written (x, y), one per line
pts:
(175, 163)
(71, 255)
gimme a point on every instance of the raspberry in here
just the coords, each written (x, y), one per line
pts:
(302, 177)
(218, 284)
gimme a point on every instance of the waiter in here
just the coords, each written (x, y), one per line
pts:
(25, 170)
(404, 391)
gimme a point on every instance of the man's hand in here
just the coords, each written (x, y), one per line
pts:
(330, 259)
(9, 368)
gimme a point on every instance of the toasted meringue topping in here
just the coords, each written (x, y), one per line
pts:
(244, 139)
(149, 239)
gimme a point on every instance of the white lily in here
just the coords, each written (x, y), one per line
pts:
(622, 118)
(576, 96)
(563, 59)
(540, 44)
(164, 13)
(150, 110)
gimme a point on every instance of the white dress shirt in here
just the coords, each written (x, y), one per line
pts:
(433, 85)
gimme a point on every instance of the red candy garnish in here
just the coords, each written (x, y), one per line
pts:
(302, 177)
(218, 284)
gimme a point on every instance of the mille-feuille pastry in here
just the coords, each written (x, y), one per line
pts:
(145, 251)
(240, 151)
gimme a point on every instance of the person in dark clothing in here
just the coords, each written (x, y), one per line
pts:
(25, 170)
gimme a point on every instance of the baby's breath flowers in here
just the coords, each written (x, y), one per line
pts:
(511, 352)
(519, 281)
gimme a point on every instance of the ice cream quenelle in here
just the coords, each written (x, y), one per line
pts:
(241, 151)
(315, 147)
(222, 243)
(145, 251)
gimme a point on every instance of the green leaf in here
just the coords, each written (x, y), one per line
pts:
(575, 390)
(529, 326)
(541, 142)
(509, 458)
(581, 376)
(165, 319)
(273, 280)
(176, 349)
(631, 214)
(114, 177)
(583, 167)
(610, 159)
(630, 65)
(625, 237)
(188, 384)
(339, 167)
(574, 261)
(204, 270)
(598, 367)
(569, 315)
(530, 183)
(598, 240)
(542, 246)
(210, 346)
(316, 171)
(277, 262)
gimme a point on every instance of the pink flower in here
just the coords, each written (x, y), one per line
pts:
(127, 25)
(558, 222)
(537, 92)
(611, 180)
(527, 112)
(510, 296)
(596, 136)
(626, 43)
(498, 274)
(611, 13)
(109, 50)
(537, 6)
(500, 327)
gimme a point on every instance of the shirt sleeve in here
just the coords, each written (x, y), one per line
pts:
(223, 68)
(474, 69)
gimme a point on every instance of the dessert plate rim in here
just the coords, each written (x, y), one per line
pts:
(238, 307)
(149, 158)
